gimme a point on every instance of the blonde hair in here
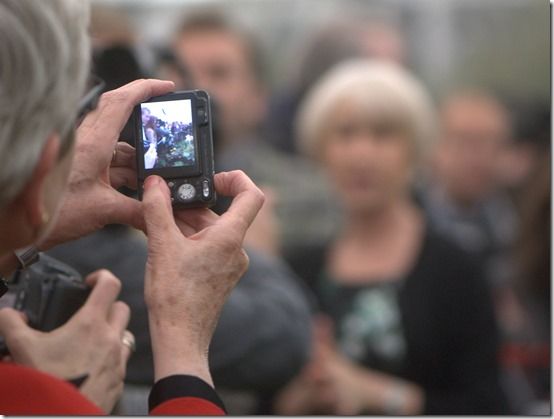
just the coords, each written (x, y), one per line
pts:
(384, 90)
(44, 64)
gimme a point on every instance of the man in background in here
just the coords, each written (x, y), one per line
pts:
(466, 200)
(225, 61)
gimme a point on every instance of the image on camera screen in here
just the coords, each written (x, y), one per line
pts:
(168, 134)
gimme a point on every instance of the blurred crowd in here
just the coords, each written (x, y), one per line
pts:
(401, 262)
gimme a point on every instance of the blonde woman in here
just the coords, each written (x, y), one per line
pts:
(408, 326)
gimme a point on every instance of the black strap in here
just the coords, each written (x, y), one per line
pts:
(3, 286)
(78, 381)
(176, 386)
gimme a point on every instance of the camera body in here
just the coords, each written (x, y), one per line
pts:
(49, 292)
(174, 141)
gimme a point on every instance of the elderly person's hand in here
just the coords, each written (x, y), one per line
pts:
(263, 234)
(91, 199)
(89, 344)
(195, 258)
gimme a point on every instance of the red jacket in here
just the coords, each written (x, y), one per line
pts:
(25, 391)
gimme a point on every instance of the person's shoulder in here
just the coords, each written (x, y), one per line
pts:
(26, 391)
(442, 248)
(446, 259)
(307, 260)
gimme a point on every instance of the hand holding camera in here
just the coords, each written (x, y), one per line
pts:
(174, 141)
(91, 199)
(88, 346)
(195, 257)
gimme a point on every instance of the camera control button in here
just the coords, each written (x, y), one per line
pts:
(170, 184)
(186, 192)
(202, 116)
(205, 189)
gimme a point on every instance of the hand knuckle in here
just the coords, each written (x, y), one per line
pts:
(114, 344)
(243, 262)
(228, 246)
(86, 323)
(117, 96)
(109, 279)
(125, 309)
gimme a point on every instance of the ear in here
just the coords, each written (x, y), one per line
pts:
(31, 198)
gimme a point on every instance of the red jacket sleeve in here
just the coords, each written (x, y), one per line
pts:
(188, 406)
(184, 395)
(25, 391)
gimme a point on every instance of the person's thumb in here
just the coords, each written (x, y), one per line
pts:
(158, 214)
(13, 324)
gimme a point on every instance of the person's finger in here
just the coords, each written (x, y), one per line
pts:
(247, 200)
(10, 319)
(127, 211)
(115, 107)
(12, 323)
(195, 219)
(126, 353)
(123, 176)
(270, 195)
(324, 331)
(119, 317)
(158, 214)
(131, 94)
(325, 345)
(186, 229)
(105, 290)
(128, 346)
(128, 96)
(124, 156)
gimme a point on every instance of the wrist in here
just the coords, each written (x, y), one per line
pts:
(178, 352)
(20, 258)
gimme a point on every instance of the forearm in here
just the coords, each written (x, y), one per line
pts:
(183, 384)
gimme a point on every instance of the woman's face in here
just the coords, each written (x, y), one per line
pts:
(368, 160)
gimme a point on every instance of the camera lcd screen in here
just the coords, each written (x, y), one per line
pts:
(168, 134)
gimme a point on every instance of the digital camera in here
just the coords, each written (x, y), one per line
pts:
(174, 140)
(49, 292)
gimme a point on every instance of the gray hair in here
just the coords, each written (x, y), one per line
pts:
(383, 90)
(44, 64)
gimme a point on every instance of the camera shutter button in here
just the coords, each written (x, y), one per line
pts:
(186, 191)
